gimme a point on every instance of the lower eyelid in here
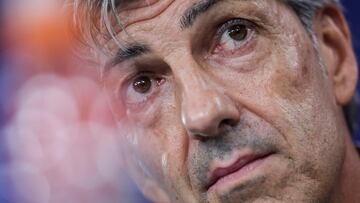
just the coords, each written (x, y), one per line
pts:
(138, 104)
(224, 53)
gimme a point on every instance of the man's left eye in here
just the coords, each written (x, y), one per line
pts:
(237, 32)
(232, 35)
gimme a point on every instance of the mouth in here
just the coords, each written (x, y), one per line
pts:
(236, 169)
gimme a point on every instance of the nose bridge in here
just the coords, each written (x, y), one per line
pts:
(204, 104)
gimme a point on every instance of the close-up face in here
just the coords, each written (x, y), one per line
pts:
(226, 101)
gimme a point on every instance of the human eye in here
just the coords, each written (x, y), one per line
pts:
(233, 36)
(142, 88)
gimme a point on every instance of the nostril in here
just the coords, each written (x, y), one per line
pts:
(221, 129)
(227, 122)
(200, 137)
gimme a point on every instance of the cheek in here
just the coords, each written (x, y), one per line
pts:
(292, 93)
(292, 86)
(159, 142)
(144, 156)
(299, 93)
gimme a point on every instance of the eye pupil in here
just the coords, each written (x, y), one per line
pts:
(142, 84)
(238, 32)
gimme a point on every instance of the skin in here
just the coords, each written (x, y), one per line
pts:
(212, 99)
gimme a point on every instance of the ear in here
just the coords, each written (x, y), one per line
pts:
(336, 50)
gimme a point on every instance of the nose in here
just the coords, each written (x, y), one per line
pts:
(205, 108)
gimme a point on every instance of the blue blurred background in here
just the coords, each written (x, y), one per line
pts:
(351, 11)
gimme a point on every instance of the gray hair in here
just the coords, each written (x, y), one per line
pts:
(306, 9)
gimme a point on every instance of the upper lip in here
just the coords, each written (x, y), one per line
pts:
(222, 171)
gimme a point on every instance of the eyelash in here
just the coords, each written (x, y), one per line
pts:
(235, 21)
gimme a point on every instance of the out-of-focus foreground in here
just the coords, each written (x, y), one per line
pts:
(58, 142)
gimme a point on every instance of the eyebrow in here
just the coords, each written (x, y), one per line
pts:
(190, 15)
(129, 52)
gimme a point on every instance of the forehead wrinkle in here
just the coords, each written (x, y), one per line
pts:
(190, 15)
(133, 4)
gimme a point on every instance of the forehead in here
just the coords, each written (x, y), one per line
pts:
(133, 4)
(148, 17)
(182, 12)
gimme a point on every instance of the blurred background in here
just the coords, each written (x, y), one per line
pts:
(353, 16)
(57, 139)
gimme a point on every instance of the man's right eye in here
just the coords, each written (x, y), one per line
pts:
(142, 84)
(142, 88)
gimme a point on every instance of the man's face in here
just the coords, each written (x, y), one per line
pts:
(224, 101)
